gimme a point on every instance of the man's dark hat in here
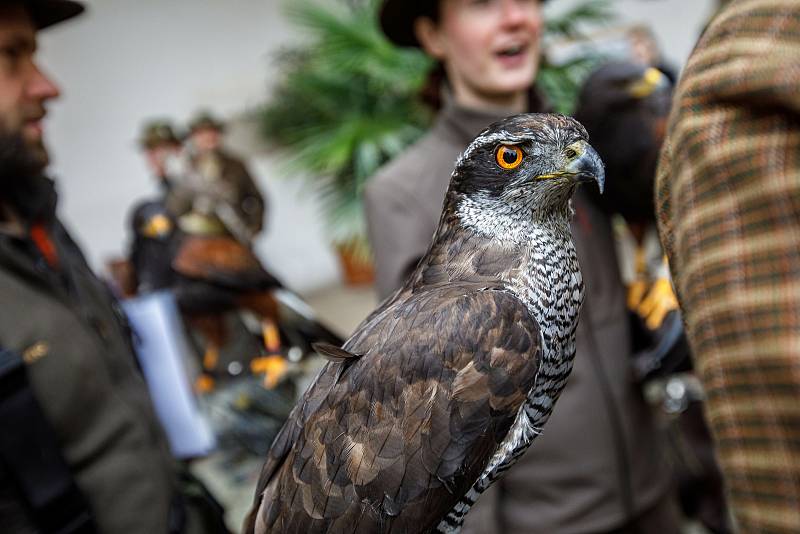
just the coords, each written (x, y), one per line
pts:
(205, 119)
(48, 12)
(397, 19)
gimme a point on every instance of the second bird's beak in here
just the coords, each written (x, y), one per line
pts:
(588, 167)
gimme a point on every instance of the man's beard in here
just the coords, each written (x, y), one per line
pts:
(21, 174)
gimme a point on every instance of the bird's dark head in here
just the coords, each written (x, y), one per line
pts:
(624, 107)
(526, 166)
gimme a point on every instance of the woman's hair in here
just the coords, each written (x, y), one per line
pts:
(431, 91)
(432, 10)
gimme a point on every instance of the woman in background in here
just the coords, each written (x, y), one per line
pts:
(599, 465)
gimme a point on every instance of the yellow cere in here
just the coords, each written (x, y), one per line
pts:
(645, 85)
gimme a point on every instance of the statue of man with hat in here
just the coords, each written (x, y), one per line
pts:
(218, 189)
(160, 145)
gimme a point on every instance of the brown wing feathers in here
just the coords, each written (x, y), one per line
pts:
(391, 443)
(333, 353)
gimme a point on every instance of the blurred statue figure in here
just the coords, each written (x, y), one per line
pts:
(151, 224)
(160, 146)
(216, 194)
(196, 241)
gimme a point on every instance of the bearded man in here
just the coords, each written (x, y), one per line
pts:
(81, 449)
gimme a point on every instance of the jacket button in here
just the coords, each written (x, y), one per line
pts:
(101, 328)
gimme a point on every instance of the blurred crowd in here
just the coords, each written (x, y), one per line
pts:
(682, 408)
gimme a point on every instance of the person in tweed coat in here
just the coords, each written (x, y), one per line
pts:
(728, 198)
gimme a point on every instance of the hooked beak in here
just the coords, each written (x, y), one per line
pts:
(652, 80)
(587, 167)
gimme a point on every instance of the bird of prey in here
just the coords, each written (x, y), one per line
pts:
(212, 276)
(624, 107)
(448, 382)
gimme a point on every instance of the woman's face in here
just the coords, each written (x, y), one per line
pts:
(490, 48)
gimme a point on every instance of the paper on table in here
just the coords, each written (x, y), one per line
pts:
(161, 346)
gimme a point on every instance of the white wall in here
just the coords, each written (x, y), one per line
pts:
(126, 60)
(676, 23)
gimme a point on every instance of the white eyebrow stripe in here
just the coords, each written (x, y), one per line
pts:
(483, 139)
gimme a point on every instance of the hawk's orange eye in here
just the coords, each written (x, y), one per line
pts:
(509, 157)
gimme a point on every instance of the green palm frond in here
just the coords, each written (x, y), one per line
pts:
(347, 100)
(574, 22)
(561, 83)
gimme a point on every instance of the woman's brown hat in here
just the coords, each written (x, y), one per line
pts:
(397, 19)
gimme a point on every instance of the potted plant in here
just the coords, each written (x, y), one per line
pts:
(347, 103)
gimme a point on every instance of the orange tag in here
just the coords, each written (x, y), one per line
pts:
(271, 336)
(45, 245)
(204, 384)
(273, 366)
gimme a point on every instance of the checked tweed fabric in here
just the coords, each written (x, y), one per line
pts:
(728, 198)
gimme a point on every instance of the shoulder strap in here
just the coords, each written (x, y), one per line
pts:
(31, 453)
